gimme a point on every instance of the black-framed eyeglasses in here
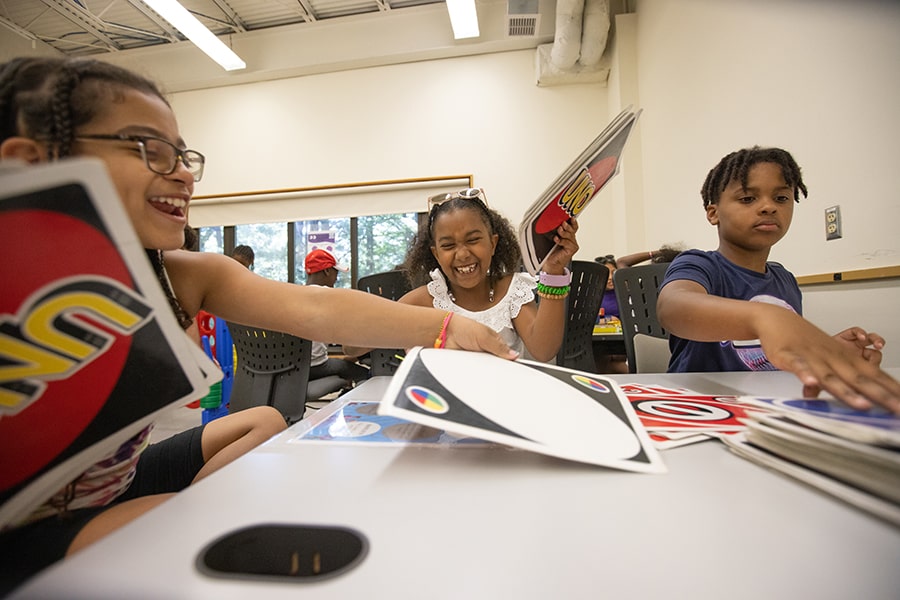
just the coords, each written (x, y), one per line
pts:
(161, 156)
(474, 194)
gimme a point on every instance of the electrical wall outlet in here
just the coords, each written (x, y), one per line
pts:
(833, 223)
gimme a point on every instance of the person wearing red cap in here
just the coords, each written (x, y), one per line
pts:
(319, 261)
(322, 270)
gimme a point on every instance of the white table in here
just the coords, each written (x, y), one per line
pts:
(496, 523)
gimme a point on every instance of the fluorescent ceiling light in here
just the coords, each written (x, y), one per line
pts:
(463, 18)
(173, 12)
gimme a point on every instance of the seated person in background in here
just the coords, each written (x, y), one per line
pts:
(244, 255)
(609, 306)
(52, 108)
(609, 315)
(665, 254)
(322, 270)
(469, 255)
(735, 294)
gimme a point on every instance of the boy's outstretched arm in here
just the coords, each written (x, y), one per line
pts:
(790, 342)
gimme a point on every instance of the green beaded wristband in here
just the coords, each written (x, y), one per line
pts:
(551, 290)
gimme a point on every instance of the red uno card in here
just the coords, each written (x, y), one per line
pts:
(689, 411)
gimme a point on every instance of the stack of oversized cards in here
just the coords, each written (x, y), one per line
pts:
(571, 192)
(852, 455)
(528, 405)
(91, 351)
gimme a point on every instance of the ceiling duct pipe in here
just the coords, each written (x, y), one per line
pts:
(567, 38)
(580, 39)
(595, 32)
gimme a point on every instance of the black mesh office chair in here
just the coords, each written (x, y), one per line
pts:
(636, 292)
(588, 282)
(273, 369)
(391, 285)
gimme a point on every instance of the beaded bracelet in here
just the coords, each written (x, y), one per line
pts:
(441, 340)
(553, 296)
(552, 292)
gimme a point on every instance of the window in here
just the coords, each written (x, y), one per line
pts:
(337, 230)
(369, 244)
(212, 239)
(383, 241)
(269, 242)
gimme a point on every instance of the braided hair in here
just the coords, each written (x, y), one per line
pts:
(736, 166)
(48, 99)
(507, 258)
(244, 252)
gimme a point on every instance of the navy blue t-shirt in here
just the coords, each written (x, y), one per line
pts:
(721, 277)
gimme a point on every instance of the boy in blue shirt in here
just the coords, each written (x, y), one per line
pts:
(735, 294)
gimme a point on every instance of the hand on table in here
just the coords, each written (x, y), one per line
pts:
(867, 344)
(466, 334)
(844, 365)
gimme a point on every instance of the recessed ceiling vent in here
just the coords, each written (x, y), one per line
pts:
(523, 18)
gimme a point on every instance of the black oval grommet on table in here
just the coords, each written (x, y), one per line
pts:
(284, 552)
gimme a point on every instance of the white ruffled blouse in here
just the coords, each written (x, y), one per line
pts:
(498, 317)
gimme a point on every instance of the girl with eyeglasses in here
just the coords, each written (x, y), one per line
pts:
(466, 259)
(53, 108)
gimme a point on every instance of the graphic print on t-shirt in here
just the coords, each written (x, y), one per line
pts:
(750, 351)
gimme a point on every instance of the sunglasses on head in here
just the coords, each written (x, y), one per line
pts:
(474, 194)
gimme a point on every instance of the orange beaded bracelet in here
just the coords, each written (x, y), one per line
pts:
(441, 340)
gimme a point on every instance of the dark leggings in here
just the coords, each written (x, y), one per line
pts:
(164, 467)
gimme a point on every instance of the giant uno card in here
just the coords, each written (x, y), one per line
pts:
(90, 351)
(533, 406)
(571, 192)
(665, 409)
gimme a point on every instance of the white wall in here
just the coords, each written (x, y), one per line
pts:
(479, 114)
(820, 79)
(872, 305)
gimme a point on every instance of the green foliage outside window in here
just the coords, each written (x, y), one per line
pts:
(212, 239)
(269, 243)
(383, 240)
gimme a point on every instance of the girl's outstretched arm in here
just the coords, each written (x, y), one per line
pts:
(220, 285)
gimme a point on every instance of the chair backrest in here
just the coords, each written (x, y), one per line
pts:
(385, 361)
(391, 285)
(588, 282)
(636, 292)
(273, 369)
